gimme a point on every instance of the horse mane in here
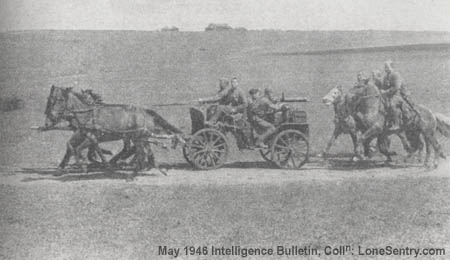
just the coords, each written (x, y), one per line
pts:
(97, 98)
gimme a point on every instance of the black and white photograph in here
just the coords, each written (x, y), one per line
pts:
(213, 129)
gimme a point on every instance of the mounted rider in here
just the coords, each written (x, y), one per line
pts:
(395, 92)
(230, 99)
(356, 92)
(259, 106)
(361, 80)
(377, 79)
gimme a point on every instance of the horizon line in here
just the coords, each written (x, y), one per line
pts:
(236, 29)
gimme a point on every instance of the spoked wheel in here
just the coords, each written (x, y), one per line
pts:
(207, 149)
(290, 149)
(266, 154)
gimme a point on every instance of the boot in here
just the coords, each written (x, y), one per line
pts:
(395, 124)
(262, 138)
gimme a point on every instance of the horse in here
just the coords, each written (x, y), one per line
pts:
(345, 123)
(91, 98)
(370, 110)
(108, 122)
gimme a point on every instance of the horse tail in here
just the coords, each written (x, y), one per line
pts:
(443, 124)
(159, 120)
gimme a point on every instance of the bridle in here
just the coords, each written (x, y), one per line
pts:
(65, 112)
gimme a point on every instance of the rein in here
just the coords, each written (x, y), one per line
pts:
(94, 125)
(80, 111)
(369, 96)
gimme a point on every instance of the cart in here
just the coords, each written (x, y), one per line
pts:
(208, 147)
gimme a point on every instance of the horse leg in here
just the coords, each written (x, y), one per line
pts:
(66, 157)
(74, 141)
(370, 133)
(140, 156)
(79, 159)
(355, 146)
(428, 151)
(367, 148)
(437, 149)
(404, 140)
(420, 146)
(93, 138)
(383, 144)
(151, 162)
(125, 151)
(91, 154)
(330, 143)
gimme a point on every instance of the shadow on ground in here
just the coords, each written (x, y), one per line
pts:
(75, 174)
(125, 172)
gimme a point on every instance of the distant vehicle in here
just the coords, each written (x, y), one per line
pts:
(170, 29)
(240, 29)
(218, 27)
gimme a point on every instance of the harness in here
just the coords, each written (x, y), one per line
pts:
(67, 112)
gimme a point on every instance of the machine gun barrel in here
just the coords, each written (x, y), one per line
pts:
(293, 100)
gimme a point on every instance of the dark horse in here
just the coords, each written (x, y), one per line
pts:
(370, 111)
(345, 123)
(91, 98)
(102, 123)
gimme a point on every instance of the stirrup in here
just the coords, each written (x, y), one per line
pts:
(394, 128)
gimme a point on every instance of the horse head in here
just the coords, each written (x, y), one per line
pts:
(333, 96)
(60, 105)
(56, 103)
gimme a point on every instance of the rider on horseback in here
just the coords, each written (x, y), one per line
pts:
(394, 90)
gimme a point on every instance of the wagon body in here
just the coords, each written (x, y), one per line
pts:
(208, 148)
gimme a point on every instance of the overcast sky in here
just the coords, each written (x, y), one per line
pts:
(194, 15)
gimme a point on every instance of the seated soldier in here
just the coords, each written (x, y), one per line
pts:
(231, 100)
(258, 108)
(268, 93)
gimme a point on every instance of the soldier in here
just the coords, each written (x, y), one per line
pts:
(394, 90)
(230, 100)
(377, 79)
(361, 80)
(259, 106)
(268, 93)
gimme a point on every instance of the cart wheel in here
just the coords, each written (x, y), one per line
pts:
(186, 154)
(207, 149)
(290, 149)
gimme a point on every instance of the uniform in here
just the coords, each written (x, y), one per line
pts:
(393, 87)
(230, 101)
(257, 111)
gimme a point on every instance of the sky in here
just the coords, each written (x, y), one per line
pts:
(195, 15)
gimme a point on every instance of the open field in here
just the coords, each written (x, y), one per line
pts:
(101, 216)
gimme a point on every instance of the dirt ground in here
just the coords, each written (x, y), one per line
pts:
(101, 215)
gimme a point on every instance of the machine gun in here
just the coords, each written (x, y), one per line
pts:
(192, 102)
(292, 100)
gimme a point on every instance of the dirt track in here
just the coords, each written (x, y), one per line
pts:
(237, 173)
(102, 216)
